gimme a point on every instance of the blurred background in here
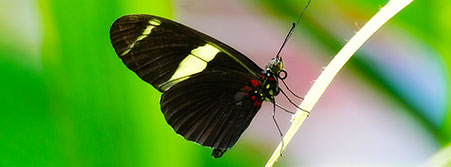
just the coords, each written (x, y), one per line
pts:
(67, 99)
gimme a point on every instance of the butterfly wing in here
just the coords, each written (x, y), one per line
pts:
(212, 108)
(210, 91)
(163, 52)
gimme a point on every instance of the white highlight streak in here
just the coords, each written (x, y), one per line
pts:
(152, 24)
(195, 62)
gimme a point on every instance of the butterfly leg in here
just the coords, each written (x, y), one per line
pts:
(277, 125)
(289, 100)
(288, 88)
(284, 109)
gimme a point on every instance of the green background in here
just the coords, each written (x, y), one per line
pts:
(67, 100)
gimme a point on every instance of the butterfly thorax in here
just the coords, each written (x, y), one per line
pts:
(271, 79)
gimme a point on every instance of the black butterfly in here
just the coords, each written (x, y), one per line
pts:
(211, 92)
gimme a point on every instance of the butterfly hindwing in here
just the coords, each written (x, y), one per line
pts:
(212, 108)
(163, 52)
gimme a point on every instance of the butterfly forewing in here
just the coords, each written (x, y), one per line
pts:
(211, 92)
(154, 48)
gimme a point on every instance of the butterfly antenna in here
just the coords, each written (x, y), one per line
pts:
(292, 29)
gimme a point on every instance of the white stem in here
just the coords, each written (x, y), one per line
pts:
(323, 81)
(441, 158)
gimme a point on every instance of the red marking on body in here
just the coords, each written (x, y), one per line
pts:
(257, 103)
(246, 94)
(253, 97)
(254, 83)
(272, 78)
(247, 88)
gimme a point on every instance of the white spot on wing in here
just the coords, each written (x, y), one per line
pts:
(193, 63)
(190, 65)
(152, 24)
(206, 52)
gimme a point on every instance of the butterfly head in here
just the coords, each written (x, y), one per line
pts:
(275, 66)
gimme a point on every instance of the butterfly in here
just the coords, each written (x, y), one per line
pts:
(210, 91)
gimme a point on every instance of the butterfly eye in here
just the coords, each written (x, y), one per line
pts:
(282, 75)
